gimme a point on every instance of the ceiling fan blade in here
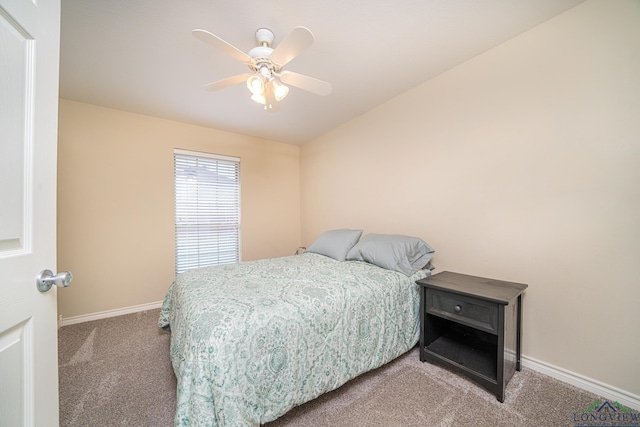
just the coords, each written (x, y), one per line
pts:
(218, 43)
(311, 84)
(295, 42)
(229, 81)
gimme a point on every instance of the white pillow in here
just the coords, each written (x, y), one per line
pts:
(396, 252)
(335, 243)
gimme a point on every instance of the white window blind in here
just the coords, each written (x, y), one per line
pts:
(207, 199)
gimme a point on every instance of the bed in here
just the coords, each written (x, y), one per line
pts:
(250, 341)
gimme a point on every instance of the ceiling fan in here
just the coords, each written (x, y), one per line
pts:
(267, 79)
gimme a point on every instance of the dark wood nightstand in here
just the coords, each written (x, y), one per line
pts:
(472, 325)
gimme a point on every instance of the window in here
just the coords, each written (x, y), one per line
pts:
(207, 199)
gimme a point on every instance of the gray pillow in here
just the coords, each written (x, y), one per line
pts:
(396, 252)
(335, 243)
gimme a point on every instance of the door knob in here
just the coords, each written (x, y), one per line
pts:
(46, 280)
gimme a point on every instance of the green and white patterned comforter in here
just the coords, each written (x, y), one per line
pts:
(250, 341)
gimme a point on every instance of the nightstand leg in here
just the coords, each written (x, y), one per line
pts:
(423, 315)
(501, 381)
(519, 333)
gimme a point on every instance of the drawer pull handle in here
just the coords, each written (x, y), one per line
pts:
(457, 308)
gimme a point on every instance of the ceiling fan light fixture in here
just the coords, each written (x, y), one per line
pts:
(259, 98)
(256, 85)
(280, 91)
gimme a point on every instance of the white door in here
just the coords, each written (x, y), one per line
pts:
(29, 52)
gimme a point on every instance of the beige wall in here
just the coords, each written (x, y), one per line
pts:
(522, 164)
(115, 202)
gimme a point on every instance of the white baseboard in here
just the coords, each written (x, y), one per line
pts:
(607, 391)
(109, 313)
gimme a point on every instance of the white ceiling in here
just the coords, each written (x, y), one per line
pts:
(140, 56)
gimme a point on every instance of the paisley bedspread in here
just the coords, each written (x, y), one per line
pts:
(250, 341)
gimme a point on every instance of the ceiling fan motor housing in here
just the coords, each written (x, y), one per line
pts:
(262, 53)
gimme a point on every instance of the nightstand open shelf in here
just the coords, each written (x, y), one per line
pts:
(472, 325)
(459, 345)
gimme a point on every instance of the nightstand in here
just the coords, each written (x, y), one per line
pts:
(472, 325)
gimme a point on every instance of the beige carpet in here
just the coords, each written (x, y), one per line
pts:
(117, 372)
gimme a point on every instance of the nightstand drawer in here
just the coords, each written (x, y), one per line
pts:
(472, 312)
